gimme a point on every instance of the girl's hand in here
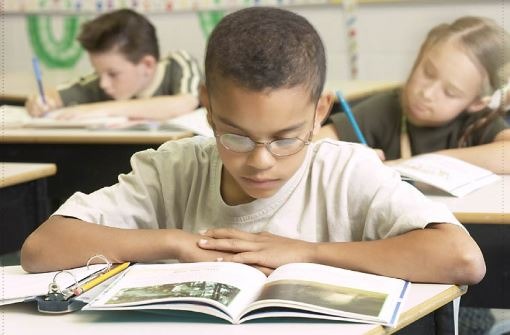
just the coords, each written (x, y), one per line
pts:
(380, 154)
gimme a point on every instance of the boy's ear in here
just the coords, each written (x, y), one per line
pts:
(149, 62)
(323, 109)
(204, 101)
(478, 105)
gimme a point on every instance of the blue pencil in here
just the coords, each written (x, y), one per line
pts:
(350, 117)
(38, 78)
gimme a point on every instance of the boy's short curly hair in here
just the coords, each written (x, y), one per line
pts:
(130, 32)
(263, 48)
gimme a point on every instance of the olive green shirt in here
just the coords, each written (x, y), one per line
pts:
(380, 117)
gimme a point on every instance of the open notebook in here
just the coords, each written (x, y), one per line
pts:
(451, 175)
(17, 117)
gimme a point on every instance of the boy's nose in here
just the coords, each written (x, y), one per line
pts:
(104, 83)
(260, 158)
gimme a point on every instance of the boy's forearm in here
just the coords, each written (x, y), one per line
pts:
(61, 243)
(156, 108)
(441, 254)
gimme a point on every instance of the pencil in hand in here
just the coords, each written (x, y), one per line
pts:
(350, 117)
(38, 78)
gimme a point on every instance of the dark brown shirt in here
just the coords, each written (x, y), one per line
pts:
(380, 116)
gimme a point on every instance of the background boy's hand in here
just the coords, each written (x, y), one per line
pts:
(37, 108)
(262, 250)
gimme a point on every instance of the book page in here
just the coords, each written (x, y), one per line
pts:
(195, 121)
(106, 122)
(226, 286)
(13, 116)
(449, 174)
(19, 285)
(333, 291)
(18, 117)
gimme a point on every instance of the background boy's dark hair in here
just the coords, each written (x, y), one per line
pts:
(125, 29)
(266, 48)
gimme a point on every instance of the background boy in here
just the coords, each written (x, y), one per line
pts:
(260, 192)
(123, 49)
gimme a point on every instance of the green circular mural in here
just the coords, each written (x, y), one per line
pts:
(209, 20)
(63, 52)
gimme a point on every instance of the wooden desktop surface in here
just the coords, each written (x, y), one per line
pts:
(23, 318)
(18, 87)
(17, 173)
(489, 204)
(85, 136)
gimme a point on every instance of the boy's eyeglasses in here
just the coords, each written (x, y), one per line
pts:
(278, 147)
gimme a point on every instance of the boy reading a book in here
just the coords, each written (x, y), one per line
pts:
(261, 192)
(129, 78)
(445, 105)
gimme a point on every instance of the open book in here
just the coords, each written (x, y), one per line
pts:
(448, 174)
(238, 293)
(17, 117)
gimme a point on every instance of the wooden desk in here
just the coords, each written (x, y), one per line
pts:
(23, 318)
(486, 215)
(87, 159)
(12, 99)
(490, 204)
(18, 88)
(23, 201)
(85, 136)
(355, 90)
(18, 173)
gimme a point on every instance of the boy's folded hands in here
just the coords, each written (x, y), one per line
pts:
(189, 251)
(264, 250)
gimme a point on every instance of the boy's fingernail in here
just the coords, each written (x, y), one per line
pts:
(202, 241)
(202, 231)
(219, 259)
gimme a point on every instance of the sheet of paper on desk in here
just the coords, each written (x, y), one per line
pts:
(19, 285)
(17, 117)
(448, 174)
(13, 116)
(196, 122)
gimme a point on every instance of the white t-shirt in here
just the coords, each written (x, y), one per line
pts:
(341, 192)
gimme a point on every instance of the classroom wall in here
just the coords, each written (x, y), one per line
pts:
(388, 37)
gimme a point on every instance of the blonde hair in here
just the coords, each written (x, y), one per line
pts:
(487, 44)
